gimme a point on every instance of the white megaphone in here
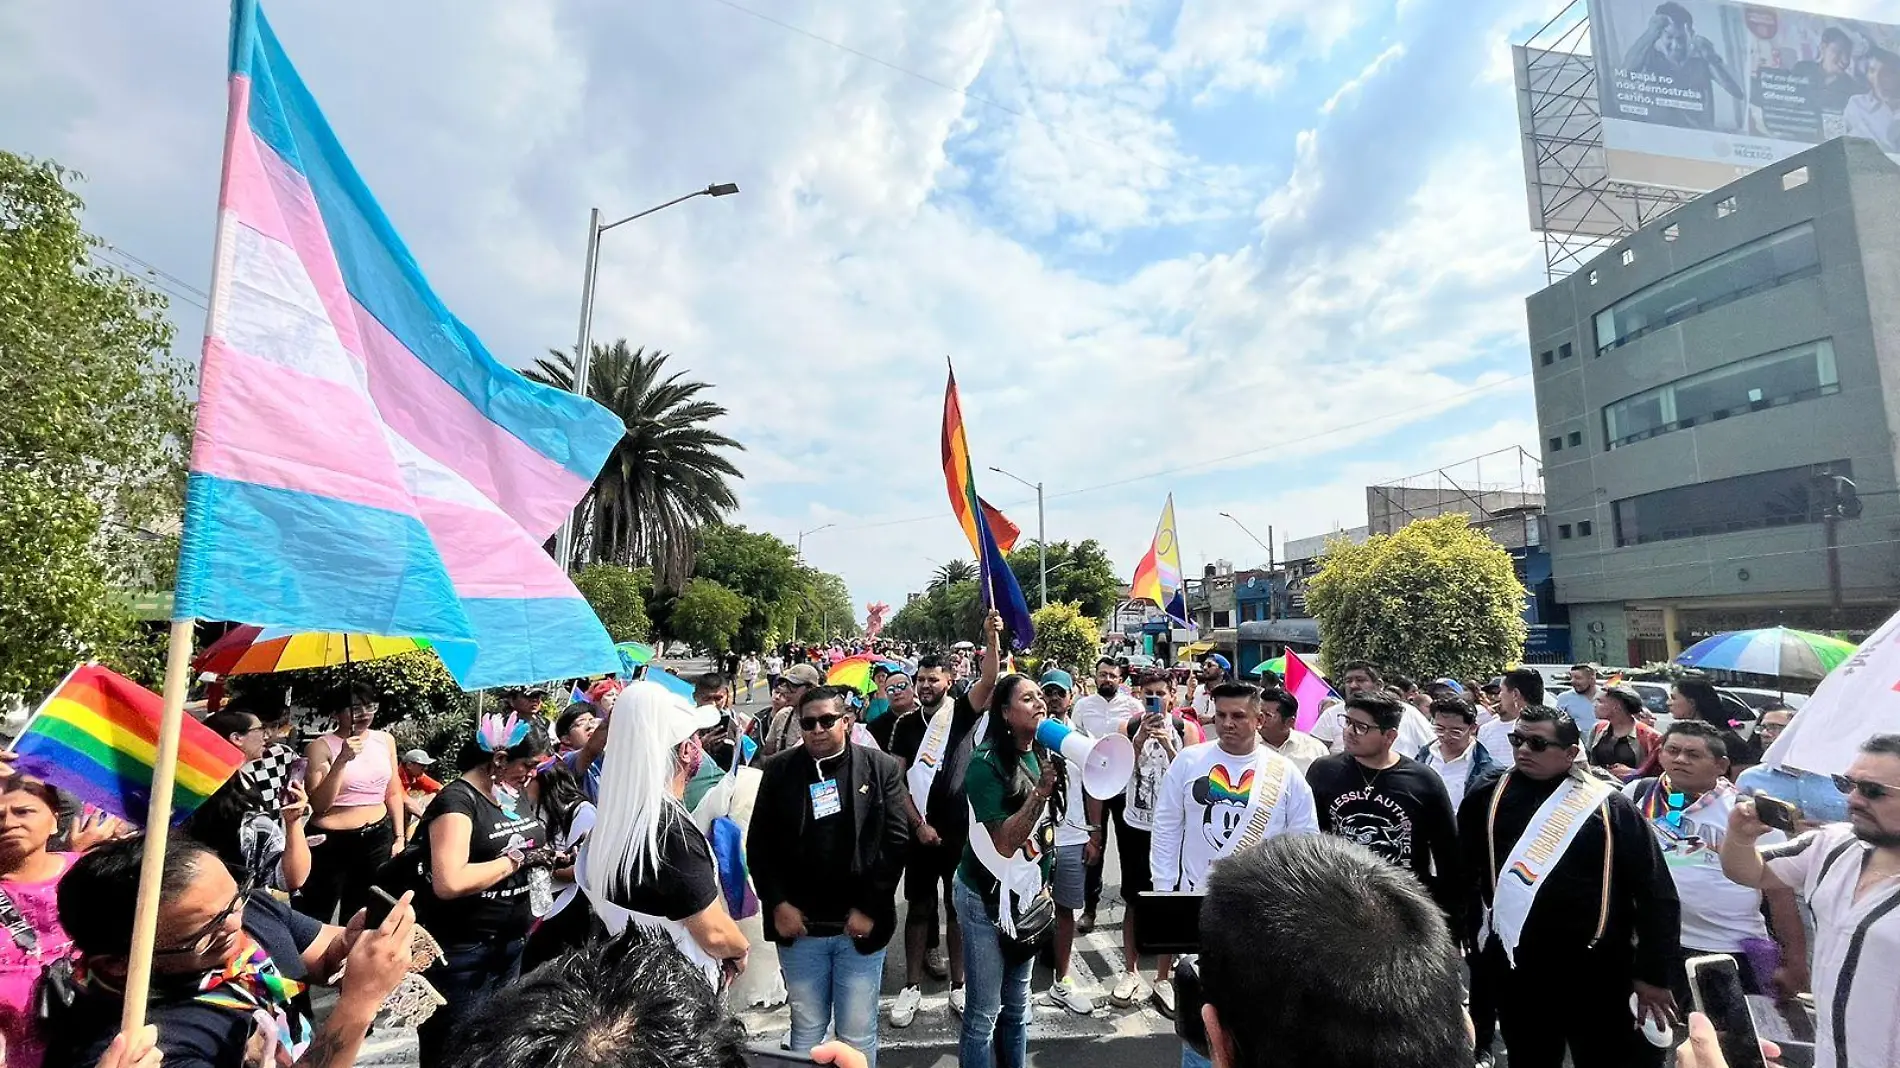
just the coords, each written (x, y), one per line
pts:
(1105, 763)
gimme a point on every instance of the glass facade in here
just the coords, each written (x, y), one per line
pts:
(1771, 261)
(1747, 502)
(1772, 380)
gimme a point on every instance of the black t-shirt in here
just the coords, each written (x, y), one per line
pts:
(1401, 813)
(190, 1034)
(501, 911)
(686, 883)
(822, 885)
(947, 809)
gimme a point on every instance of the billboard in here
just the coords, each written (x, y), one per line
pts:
(1696, 93)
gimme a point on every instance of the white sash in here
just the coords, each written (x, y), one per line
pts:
(1267, 793)
(1545, 839)
(923, 770)
(1019, 876)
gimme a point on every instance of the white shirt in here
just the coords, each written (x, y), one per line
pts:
(1455, 773)
(1582, 707)
(1495, 736)
(1717, 914)
(1300, 747)
(1415, 731)
(1868, 116)
(1203, 706)
(1099, 718)
(1330, 728)
(774, 665)
(1856, 946)
(1190, 835)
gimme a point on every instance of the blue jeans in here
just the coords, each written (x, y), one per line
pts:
(996, 991)
(473, 973)
(827, 979)
(1191, 1059)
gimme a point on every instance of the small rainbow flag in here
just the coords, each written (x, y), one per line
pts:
(97, 736)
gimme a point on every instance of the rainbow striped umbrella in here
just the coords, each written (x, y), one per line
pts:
(253, 650)
(1791, 654)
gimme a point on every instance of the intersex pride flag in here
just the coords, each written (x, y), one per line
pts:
(361, 462)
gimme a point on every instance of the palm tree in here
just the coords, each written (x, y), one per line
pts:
(665, 479)
(952, 573)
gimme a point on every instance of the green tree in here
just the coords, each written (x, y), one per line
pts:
(1081, 573)
(618, 595)
(93, 434)
(1436, 598)
(707, 615)
(1065, 638)
(942, 616)
(757, 566)
(413, 688)
(666, 478)
(952, 573)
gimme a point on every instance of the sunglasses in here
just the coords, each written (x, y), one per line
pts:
(897, 687)
(1867, 788)
(820, 723)
(1532, 742)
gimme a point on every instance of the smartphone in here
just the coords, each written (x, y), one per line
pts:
(1154, 706)
(299, 768)
(1716, 984)
(1168, 922)
(1777, 813)
(767, 1056)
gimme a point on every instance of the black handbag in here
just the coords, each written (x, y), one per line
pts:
(56, 989)
(1034, 918)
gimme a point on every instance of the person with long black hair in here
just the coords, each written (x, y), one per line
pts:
(486, 847)
(568, 815)
(1010, 785)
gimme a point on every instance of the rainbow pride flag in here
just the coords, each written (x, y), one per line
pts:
(96, 736)
(998, 582)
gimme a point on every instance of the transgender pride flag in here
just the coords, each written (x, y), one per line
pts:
(361, 462)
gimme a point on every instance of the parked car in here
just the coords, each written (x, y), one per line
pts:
(1655, 697)
(1759, 700)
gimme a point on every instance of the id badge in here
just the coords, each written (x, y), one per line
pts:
(824, 799)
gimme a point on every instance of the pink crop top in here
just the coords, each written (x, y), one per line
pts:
(366, 777)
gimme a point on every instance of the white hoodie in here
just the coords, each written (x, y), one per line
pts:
(1190, 834)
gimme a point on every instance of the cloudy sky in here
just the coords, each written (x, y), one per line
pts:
(1256, 253)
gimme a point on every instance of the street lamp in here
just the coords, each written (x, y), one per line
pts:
(1042, 544)
(1267, 545)
(584, 348)
(801, 539)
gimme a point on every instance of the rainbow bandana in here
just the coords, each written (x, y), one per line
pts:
(251, 983)
(1551, 830)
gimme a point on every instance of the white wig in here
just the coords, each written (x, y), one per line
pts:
(635, 789)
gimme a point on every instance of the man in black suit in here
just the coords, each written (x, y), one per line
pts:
(826, 849)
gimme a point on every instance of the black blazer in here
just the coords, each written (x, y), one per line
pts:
(881, 836)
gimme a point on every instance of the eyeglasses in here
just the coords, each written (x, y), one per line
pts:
(1356, 728)
(1867, 788)
(203, 939)
(1460, 728)
(820, 723)
(1530, 741)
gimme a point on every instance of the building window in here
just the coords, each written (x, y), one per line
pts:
(1584, 528)
(1223, 619)
(1772, 380)
(1546, 357)
(1672, 232)
(1563, 531)
(1565, 351)
(1575, 440)
(1726, 207)
(1795, 179)
(1772, 261)
(1629, 256)
(1747, 502)
(1557, 443)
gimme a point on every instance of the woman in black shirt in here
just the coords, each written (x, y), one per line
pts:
(486, 846)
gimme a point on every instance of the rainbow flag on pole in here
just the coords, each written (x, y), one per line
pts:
(997, 581)
(361, 462)
(96, 736)
(1158, 576)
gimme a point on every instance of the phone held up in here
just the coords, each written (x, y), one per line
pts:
(1777, 813)
(1716, 984)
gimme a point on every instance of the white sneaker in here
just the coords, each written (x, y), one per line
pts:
(904, 1010)
(1066, 995)
(956, 1000)
(1130, 989)
(1164, 997)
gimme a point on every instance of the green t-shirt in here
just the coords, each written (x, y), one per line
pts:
(991, 800)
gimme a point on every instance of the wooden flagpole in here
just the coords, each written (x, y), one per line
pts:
(158, 818)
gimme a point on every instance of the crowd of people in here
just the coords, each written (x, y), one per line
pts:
(1469, 851)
